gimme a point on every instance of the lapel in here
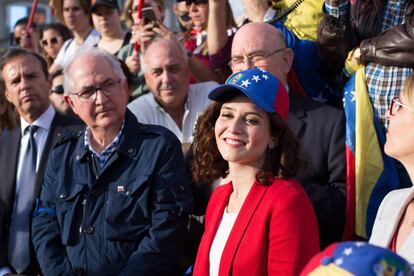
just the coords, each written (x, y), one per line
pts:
(296, 114)
(9, 159)
(55, 132)
(241, 224)
(392, 220)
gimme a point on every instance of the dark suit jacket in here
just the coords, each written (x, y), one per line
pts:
(9, 155)
(321, 130)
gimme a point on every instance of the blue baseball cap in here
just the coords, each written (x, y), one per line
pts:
(357, 258)
(261, 87)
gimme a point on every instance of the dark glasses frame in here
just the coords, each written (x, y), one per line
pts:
(45, 42)
(58, 89)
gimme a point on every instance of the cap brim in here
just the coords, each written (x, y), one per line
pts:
(94, 7)
(225, 92)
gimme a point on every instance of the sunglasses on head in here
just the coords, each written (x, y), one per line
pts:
(54, 40)
(58, 89)
(196, 2)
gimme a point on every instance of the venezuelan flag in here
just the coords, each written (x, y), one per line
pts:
(370, 173)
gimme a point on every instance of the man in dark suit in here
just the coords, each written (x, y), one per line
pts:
(25, 78)
(320, 128)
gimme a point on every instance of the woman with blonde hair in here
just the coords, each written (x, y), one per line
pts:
(394, 224)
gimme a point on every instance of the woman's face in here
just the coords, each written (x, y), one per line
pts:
(199, 15)
(400, 134)
(242, 132)
(52, 41)
(106, 20)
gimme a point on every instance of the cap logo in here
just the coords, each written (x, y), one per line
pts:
(235, 79)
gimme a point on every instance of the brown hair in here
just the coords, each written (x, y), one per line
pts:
(58, 9)
(127, 16)
(282, 161)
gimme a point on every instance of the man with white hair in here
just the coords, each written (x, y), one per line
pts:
(115, 198)
(172, 103)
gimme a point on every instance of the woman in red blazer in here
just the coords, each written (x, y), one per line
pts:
(260, 223)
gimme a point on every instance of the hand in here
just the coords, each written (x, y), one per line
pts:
(255, 9)
(133, 63)
(357, 55)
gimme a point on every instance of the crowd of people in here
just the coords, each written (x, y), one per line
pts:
(129, 149)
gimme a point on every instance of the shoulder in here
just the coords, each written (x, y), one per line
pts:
(287, 191)
(67, 137)
(125, 51)
(142, 106)
(206, 86)
(395, 198)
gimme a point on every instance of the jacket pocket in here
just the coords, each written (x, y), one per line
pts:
(127, 214)
(69, 205)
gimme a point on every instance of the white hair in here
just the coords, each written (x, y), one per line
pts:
(69, 83)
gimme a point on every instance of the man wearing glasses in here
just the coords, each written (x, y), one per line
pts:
(116, 197)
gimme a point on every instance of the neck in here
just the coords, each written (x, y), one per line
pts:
(31, 117)
(101, 138)
(81, 35)
(177, 115)
(242, 177)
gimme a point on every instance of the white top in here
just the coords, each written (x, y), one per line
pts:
(70, 47)
(149, 111)
(220, 240)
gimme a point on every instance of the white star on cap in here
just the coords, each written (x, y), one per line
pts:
(256, 78)
(245, 83)
(265, 76)
(347, 251)
(339, 261)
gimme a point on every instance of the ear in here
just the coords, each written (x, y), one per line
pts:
(69, 101)
(273, 143)
(288, 59)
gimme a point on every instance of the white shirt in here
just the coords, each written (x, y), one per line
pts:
(220, 240)
(149, 111)
(70, 47)
(43, 122)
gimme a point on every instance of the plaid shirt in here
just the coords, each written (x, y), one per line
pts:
(384, 82)
(104, 155)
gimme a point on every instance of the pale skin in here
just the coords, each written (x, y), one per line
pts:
(242, 134)
(399, 145)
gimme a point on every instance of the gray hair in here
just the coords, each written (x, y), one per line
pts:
(69, 83)
(159, 39)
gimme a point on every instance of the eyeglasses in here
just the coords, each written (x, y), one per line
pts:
(196, 2)
(185, 17)
(88, 95)
(396, 105)
(54, 40)
(254, 59)
(58, 89)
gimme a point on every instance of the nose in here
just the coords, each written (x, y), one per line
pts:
(247, 64)
(193, 7)
(100, 97)
(166, 77)
(235, 126)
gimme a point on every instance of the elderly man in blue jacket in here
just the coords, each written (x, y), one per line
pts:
(116, 197)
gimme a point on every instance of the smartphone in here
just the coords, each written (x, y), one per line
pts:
(148, 15)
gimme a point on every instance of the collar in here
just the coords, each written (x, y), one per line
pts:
(44, 121)
(269, 14)
(111, 147)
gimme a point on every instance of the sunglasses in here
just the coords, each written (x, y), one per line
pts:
(196, 2)
(185, 17)
(54, 40)
(58, 89)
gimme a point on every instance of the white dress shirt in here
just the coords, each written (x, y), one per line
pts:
(149, 111)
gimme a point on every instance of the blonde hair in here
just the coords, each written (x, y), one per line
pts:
(408, 90)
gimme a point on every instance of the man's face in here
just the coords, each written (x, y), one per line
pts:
(27, 87)
(167, 75)
(254, 49)
(74, 15)
(106, 111)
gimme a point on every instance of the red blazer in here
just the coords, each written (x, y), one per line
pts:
(275, 232)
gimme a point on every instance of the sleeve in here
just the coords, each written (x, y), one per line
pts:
(172, 202)
(293, 237)
(61, 55)
(329, 200)
(394, 47)
(336, 8)
(50, 251)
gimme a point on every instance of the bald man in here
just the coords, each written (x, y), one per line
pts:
(172, 103)
(320, 128)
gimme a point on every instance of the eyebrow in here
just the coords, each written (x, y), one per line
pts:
(245, 114)
(249, 54)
